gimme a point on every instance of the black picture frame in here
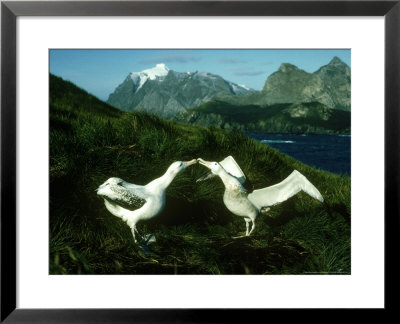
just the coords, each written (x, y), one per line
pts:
(11, 10)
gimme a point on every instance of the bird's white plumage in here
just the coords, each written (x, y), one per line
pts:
(282, 191)
(230, 166)
(134, 203)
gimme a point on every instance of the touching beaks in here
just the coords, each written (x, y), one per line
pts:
(203, 162)
(189, 163)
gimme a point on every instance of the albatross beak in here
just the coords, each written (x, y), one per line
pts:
(189, 163)
(203, 162)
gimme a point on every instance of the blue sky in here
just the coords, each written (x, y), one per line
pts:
(100, 71)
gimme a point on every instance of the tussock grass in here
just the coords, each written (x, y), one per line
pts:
(91, 141)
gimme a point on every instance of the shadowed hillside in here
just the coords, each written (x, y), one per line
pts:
(298, 118)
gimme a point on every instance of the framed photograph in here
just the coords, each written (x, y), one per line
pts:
(163, 159)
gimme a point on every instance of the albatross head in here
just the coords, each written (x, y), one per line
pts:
(104, 188)
(214, 167)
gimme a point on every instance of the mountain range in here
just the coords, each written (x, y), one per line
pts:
(165, 92)
(329, 85)
(292, 100)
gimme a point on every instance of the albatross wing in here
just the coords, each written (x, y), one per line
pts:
(282, 191)
(230, 166)
(128, 198)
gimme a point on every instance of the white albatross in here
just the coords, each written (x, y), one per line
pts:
(134, 203)
(249, 205)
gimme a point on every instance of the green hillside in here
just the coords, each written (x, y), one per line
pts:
(312, 117)
(91, 142)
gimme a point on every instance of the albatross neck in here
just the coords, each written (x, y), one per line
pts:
(162, 182)
(229, 181)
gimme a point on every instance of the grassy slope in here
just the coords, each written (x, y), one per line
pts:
(90, 142)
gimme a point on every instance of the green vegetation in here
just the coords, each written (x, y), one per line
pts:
(91, 141)
(311, 117)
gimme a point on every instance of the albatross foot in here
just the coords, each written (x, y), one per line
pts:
(144, 248)
(148, 239)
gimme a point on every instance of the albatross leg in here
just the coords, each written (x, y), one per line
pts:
(247, 220)
(137, 232)
(253, 225)
(133, 233)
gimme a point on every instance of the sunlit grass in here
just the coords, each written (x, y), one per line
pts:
(90, 142)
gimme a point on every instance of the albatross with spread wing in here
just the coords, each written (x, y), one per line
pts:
(248, 205)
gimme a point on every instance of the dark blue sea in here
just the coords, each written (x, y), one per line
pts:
(327, 152)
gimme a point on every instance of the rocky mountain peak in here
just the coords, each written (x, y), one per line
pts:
(336, 61)
(166, 92)
(329, 85)
(287, 67)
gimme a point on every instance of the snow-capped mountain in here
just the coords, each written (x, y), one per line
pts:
(165, 92)
(158, 72)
